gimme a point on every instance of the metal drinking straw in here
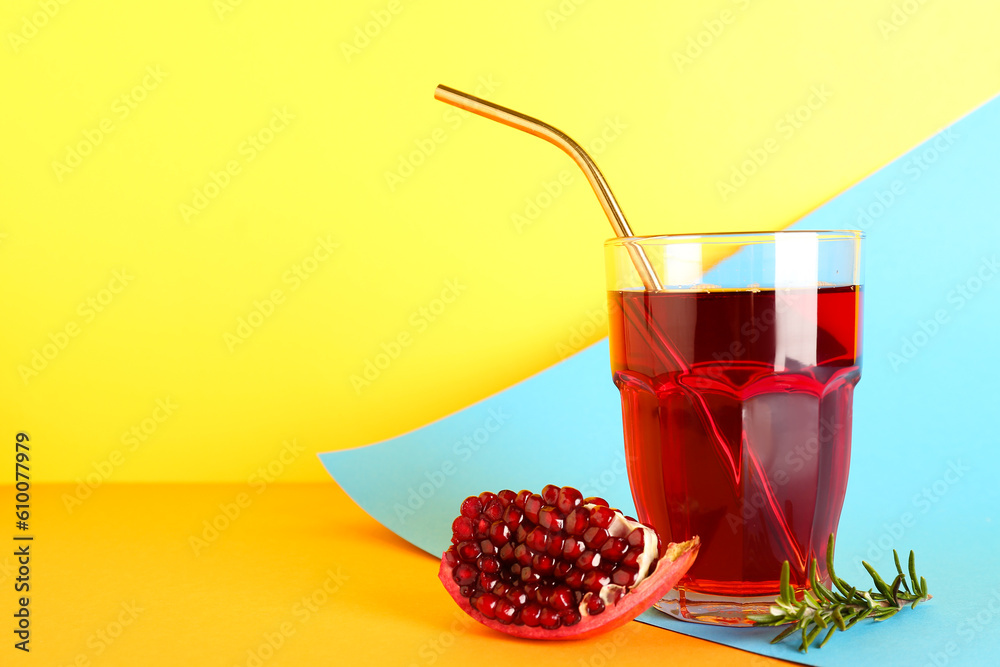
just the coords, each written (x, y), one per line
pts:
(554, 136)
(649, 278)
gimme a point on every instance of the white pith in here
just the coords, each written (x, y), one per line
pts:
(621, 527)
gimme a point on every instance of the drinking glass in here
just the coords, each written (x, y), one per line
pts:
(737, 374)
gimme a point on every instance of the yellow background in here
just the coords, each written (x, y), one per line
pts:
(526, 291)
(164, 99)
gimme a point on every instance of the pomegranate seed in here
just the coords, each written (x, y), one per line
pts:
(562, 569)
(521, 497)
(506, 553)
(482, 527)
(486, 497)
(543, 593)
(568, 499)
(624, 577)
(505, 611)
(549, 618)
(602, 517)
(562, 598)
(467, 591)
(550, 519)
(471, 507)
(588, 561)
(500, 590)
(550, 494)
(499, 533)
(517, 597)
(543, 563)
(488, 564)
(506, 497)
(462, 529)
(493, 511)
(555, 547)
(577, 521)
(514, 572)
(595, 581)
(487, 581)
(596, 500)
(512, 517)
(451, 556)
(530, 614)
(575, 579)
(573, 547)
(523, 554)
(520, 534)
(537, 539)
(570, 617)
(607, 567)
(595, 605)
(487, 547)
(632, 558)
(486, 604)
(637, 538)
(468, 551)
(594, 537)
(530, 576)
(464, 574)
(532, 505)
(614, 549)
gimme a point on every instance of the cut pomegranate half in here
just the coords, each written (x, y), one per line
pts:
(556, 565)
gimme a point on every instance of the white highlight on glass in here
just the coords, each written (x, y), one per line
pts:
(796, 280)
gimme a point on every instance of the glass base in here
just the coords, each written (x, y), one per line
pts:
(713, 609)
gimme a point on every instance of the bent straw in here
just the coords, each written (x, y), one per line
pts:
(558, 138)
(650, 281)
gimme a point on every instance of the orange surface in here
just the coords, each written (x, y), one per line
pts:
(121, 581)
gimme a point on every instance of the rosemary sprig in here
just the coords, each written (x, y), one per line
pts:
(840, 608)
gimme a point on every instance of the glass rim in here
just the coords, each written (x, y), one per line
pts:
(737, 237)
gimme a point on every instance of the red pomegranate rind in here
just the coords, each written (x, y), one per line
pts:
(669, 569)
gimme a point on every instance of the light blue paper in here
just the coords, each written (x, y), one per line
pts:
(926, 451)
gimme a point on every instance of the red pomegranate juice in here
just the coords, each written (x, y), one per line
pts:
(737, 413)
